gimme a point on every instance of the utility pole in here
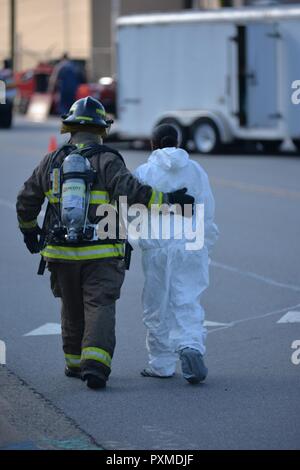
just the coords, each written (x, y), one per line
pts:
(13, 33)
(66, 26)
(115, 13)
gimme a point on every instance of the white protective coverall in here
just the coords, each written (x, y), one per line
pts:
(175, 277)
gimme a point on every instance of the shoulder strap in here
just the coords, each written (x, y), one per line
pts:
(98, 148)
(66, 148)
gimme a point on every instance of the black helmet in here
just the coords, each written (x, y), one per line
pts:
(87, 111)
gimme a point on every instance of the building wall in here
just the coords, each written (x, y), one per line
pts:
(83, 28)
(129, 7)
(80, 27)
(4, 30)
(46, 29)
(101, 24)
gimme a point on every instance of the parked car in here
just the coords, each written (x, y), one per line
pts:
(7, 108)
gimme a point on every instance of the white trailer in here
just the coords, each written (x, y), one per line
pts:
(218, 76)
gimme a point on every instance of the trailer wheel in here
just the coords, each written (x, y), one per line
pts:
(271, 146)
(206, 136)
(182, 132)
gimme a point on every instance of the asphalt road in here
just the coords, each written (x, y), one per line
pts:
(251, 397)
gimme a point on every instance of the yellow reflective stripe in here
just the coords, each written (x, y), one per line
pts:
(101, 112)
(156, 198)
(160, 198)
(84, 249)
(80, 146)
(51, 198)
(83, 118)
(27, 225)
(99, 197)
(96, 354)
(96, 197)
(73, 360)
(101, 193)
(83, 253)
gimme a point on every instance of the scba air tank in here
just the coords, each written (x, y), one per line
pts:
(74, 195)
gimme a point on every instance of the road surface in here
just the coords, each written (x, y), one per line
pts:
(251, 397)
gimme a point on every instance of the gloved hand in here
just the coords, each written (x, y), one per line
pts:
(180, 197)
(31, 240)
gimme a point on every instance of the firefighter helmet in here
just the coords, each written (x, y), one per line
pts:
(87, 111)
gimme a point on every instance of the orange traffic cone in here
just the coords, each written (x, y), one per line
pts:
(52, 144)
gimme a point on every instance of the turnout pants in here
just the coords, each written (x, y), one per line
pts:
(88, 291)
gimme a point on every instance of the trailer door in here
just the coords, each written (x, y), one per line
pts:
(261, 75)
(128, 95)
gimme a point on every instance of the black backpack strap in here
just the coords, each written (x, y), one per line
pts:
(98, 148)
(66, 148)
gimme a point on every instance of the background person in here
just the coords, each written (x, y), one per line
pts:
(65, 81)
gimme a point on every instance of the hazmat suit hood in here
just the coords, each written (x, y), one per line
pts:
(169, 158)
(170, 169)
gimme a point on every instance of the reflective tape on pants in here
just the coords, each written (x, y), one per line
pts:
(72, 360)
(96, 354)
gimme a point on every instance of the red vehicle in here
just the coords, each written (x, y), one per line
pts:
(104, 90)
(36, 80)
(32, 81)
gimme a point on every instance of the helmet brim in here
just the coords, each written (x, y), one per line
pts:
(83, 122)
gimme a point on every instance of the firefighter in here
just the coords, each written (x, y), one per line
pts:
(85, 272)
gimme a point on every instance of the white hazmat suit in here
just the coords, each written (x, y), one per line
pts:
(175, 277)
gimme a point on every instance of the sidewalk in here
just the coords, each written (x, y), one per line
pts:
(29, 422)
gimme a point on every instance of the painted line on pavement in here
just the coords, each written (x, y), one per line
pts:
(213, 323)
(255, 276)
(46, 329)
(257, 317)
(292, 316)
(55, 328)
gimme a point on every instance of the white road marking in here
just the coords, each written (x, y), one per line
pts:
(292, 316)
(214, 323)
(257, 317)
(47, 329)
(55, 328)
(255, 276)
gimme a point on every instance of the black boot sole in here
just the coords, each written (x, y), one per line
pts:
(71, 373)
(94, 382)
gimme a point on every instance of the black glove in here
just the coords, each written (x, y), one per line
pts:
(31, 240)
(180, 197)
